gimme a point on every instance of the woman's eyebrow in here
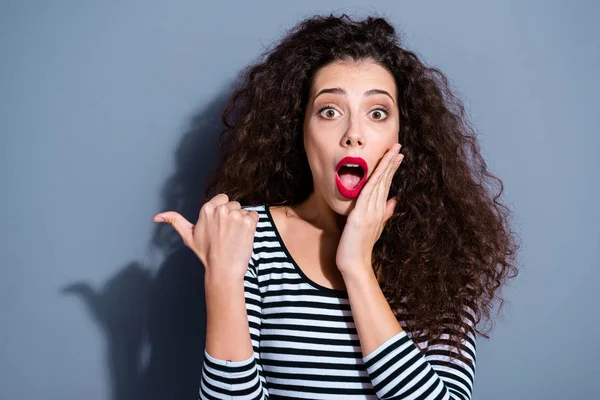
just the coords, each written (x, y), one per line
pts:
(341, 91)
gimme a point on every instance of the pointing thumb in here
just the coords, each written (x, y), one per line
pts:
(184, 228)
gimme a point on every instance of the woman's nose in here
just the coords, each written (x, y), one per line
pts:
(353, 135)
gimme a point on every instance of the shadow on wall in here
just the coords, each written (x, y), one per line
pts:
(155, 325)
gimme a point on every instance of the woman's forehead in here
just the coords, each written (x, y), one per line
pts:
(353, 78)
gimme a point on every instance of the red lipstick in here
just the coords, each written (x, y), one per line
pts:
(351, 193)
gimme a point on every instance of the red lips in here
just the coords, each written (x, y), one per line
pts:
(351, 193)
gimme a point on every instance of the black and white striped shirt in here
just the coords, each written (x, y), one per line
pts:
(306, 345)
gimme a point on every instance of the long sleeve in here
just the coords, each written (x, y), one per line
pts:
(224, 379)
(399, 370)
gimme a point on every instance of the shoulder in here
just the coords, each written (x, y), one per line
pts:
(261, 232)
(259, 208)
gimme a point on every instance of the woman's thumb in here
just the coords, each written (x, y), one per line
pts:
(180, 224)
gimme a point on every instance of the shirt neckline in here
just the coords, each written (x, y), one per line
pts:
(337, 292)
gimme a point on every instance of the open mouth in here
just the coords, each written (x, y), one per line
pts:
(351, 174)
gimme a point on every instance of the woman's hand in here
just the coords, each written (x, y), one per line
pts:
(367, 219)
(223, 237)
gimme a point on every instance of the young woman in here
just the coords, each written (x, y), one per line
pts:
(368, 248)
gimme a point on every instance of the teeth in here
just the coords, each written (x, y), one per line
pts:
(351, 165)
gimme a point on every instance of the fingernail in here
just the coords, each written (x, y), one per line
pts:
(159, 219)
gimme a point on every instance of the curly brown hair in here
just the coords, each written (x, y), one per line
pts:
(448, 245)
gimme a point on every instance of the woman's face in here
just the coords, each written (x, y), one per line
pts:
(351, 111)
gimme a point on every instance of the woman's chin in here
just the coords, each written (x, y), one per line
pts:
(342, 205)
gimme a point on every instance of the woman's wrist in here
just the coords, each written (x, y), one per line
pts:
(222, 280)
(357, 274)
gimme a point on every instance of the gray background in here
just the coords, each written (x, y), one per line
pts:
(108, 115)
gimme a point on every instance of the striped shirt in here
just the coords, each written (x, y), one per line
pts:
(306, 345)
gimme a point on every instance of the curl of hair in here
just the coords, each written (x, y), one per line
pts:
(448, 248)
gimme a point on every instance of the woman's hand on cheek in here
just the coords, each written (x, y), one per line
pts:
(368, 217)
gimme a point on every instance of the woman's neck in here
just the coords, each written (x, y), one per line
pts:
(315, 211)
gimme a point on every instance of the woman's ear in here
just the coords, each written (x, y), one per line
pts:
(390, 206)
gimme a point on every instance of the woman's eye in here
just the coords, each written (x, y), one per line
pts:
(328, 112)
(379, 114)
